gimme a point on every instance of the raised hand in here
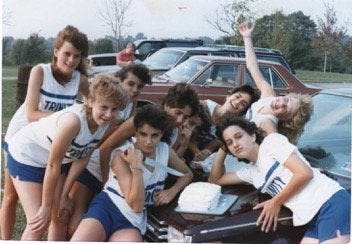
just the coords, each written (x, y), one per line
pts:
(245, 30)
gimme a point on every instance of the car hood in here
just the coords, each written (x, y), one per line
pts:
(239, 219)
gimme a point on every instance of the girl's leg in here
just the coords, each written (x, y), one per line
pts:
(126, 235)
(30, 195)
(89, 230)
(308, 240)
(8, 208)
(339, 239)
(81, 196)
(58, 224)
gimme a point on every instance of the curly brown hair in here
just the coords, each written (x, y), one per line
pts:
(80, 41)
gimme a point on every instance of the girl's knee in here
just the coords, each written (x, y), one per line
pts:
(62, 218)
(31, 235)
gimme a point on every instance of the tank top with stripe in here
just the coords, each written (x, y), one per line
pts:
(53, 97)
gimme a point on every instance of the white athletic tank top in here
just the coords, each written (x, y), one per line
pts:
(93, 165)
(153, 182)
(53, 97)
(174, 136)
(31, 144)
(126, 113)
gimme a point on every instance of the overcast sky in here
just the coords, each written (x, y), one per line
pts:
(154, 18)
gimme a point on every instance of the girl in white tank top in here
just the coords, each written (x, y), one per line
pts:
(67, 136)
(134, 184)
(51, 87)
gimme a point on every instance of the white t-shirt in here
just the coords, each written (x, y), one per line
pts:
(253, 114)
(211, 107)
(269, 175)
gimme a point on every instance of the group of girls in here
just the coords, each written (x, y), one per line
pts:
(54, 165)
(85, 172)
(266, 142)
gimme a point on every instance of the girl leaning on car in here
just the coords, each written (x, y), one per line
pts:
(277, 168)
(284, 114)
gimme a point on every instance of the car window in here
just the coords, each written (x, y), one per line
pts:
(326, 140)
(144, 49)
(277, 58)
(102, 61)
(270, 76)
(224, 75)
(163, 59)
(185, 71)
(157, 45)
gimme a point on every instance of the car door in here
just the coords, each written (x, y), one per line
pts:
(217, 81)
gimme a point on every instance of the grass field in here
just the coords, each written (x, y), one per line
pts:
(315, 76)
(9, 88)
(9, 71)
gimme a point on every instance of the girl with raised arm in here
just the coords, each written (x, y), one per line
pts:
(284, 114)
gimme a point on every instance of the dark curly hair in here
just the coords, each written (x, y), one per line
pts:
(229, 120)
(156, 117)
(182, 95)
(139, 70)
(253, 93)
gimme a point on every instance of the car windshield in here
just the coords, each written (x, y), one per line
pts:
(184, 71)
(326, 141)
(163, 59)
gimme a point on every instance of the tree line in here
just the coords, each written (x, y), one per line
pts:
(307, 45)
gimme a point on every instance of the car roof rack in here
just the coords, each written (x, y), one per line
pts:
(241, 48)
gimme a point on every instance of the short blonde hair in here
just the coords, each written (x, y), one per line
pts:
(292, 128)
(107, 87)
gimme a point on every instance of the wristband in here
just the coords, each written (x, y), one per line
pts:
(137, 169)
